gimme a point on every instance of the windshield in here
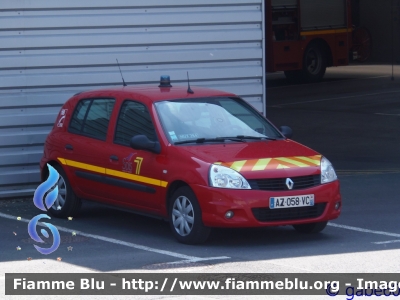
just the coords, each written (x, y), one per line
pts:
(205, 119)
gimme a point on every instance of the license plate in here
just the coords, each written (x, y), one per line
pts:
(291, 201)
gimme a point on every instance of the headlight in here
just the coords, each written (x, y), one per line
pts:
(223, 177)
(328, 173)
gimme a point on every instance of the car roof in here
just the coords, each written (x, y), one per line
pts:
(151, 93)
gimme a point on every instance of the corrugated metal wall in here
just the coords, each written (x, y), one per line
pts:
(51, 49)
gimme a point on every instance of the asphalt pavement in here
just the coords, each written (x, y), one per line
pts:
(352, 118)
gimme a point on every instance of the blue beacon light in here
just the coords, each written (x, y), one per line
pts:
(165, 81)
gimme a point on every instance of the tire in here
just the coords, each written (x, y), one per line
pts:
(185, 217)
(314, 63)
(67, 203)
(311, 227)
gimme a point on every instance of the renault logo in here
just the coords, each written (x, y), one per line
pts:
(289, 183)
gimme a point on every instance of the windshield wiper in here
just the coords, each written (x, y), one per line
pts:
(200, 141)
(238, 138)
(232, 138)
(249, 137)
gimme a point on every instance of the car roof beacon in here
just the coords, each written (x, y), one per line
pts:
(189, 90)
(123, 81)
(165, 81)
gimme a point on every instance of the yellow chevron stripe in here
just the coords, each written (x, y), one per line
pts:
(282, 167)
(292, 161)
(314, 161)
(261, 164)
(111, 172)
(238, 165)
(267, 163)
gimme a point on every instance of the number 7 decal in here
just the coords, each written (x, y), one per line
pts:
(138, 162)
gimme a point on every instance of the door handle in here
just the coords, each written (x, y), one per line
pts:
(114, 157)
(69, 147)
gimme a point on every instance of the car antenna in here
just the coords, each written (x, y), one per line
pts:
(123, 81)
(189, 90)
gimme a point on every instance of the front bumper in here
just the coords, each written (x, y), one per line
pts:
(249, 205)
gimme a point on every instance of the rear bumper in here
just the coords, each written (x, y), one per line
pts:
(251, 207)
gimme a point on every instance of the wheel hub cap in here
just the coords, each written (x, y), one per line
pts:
(183, 216)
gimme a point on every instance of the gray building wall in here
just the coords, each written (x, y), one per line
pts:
(52, 49)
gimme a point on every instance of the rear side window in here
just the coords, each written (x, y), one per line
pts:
(91, 118)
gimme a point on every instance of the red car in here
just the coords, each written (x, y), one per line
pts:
(200, 159)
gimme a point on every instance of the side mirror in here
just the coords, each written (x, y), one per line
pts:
(286, 131)
(142, 142)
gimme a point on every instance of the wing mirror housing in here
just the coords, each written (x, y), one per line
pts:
(142, 142)
(286, 131)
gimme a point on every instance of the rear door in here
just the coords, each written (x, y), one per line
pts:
(87, 151)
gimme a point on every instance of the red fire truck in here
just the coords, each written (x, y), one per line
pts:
(304, 37)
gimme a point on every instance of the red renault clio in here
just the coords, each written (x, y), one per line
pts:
(199, 158)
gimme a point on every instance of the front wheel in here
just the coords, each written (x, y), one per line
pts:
(185, 217)
(311, 227)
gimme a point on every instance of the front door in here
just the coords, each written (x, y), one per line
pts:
(137, 174)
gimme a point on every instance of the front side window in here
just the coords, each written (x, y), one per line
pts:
(134, 119)
(91, 118)
(212, 118)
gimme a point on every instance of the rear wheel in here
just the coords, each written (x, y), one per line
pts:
(185, 217)
(67, 203)
(314, 63)
(310, 227)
